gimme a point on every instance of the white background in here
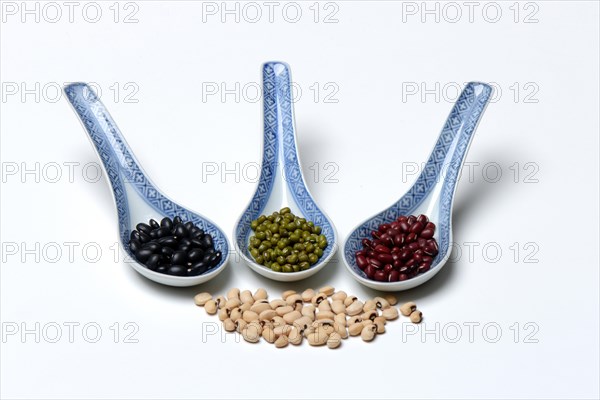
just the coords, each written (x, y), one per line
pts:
(373, 56)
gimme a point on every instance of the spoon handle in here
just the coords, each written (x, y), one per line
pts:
(280, 138)
(440, 175)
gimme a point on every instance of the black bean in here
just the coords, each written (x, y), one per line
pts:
(188, 225)
(154, 234)
(168, 241)
(215, 258)
(145, 228)
(154, 224)
(195, 243)
(177, 220)
(135, 235)
(195, 255)
(162, 232)
(198, 269)
(210, 251)
(162, 269)
(197, 234)
(144, 238)
(177, 270)
(207, 242)
(185, 241)
(179, 231)
(179, 257)
(152, 246)
(134, 245)
(167, 252)
(206, 258)
(166, 223)
(152, 261)
(143, 254)
(183, 247)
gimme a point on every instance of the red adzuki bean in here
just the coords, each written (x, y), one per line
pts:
(399, 250)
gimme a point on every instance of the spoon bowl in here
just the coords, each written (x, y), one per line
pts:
(432, 193)
(281, 183)
(136, 197)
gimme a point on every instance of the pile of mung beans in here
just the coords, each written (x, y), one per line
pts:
(285, 242)
(322, 317)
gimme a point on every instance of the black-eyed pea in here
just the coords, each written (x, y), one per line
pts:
(382, 303)
(349, 300)
(318, 298)
(416, 317)
(267, 315)
(249, 316)
(308, 331)
(278, 321)
(354, 319)
(260, 306)
(367, 322)
(369, 305)
(282, 330)
(282, 341)
(233, 293)
(281, 311)
(287, 294)
(380, 323)
(277, 303)
(355, 329)
(390, 313)
(233, 303)
(223, 314)
(201, 298)
(293, 300)
(246, 297)
(326, 325)
(327, 290)
(221, 301)
(325, 315)
(303, 323)
(340, 319)
(370, 315)
(245, 306)
(341, 295)
(295, 336)
(240, 325)
(391, 299)
(308, 311)
(292, 316)
(334, 340)
(251, 333)
(338, 307)
(317, 338)
(368, 332)
(307, 295)
(340, 330)
(268, 334)
(407, 308)
(355, 308)
(210, 307)
(229, 325)
(324, 306)
(260, 294)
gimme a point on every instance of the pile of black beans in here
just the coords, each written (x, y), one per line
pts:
(174, 247)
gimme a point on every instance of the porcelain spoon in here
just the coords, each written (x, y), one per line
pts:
(136, 197)
(433, 192)
(281, 183)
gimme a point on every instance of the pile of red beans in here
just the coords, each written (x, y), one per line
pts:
(399, 250)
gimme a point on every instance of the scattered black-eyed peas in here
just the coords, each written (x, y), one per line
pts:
(285, 242)
(174, 247)
(322, 317)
